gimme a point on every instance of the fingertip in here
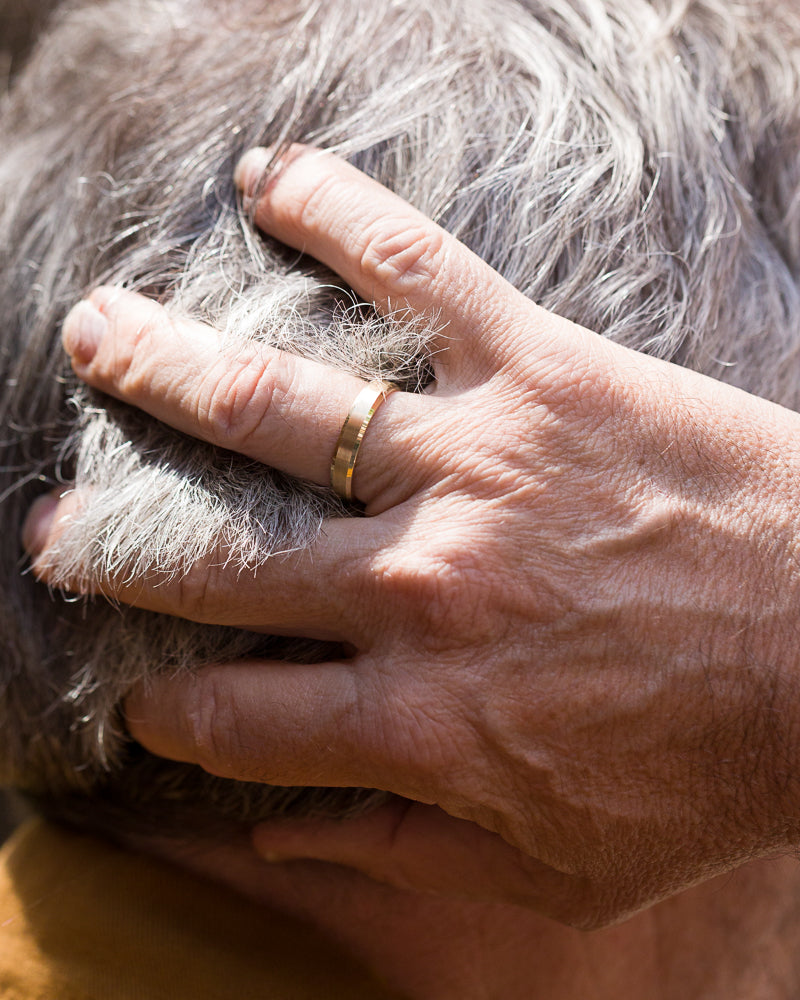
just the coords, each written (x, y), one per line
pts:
(83, 331)
(251, 168)
(46, 512)
(262, 161)
(38, 524)
(264, 847)
(317, 839)
(144, 713)
(135, 711)
(124, 306)
(89, 321)
(104, 296)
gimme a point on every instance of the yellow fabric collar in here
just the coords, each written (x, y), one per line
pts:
(83, 920)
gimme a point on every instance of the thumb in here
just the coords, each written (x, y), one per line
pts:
(420, 847)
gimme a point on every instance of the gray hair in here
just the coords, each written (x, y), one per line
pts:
(630, 164)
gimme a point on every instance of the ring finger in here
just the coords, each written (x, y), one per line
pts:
(275, 407)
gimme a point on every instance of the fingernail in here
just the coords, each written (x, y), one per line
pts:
(84, 328)
(36, 528)
(251, 168)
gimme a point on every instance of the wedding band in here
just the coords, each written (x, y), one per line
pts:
(352, 434)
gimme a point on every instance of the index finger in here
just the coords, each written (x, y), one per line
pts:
(387, 251)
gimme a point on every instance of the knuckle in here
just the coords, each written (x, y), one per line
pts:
(434, 585)
(211, 723)
(404, 256)
(239, 397)
(195, 589)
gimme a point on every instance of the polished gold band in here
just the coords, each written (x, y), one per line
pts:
(353, 430)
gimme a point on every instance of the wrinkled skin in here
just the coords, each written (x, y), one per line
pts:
(571, 620)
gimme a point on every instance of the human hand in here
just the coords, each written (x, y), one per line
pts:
(571, 618)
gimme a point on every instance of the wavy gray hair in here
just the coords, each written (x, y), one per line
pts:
(631, 164)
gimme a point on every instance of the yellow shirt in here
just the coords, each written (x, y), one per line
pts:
(83, 920)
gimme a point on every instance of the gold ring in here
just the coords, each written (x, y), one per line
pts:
(352, 434)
